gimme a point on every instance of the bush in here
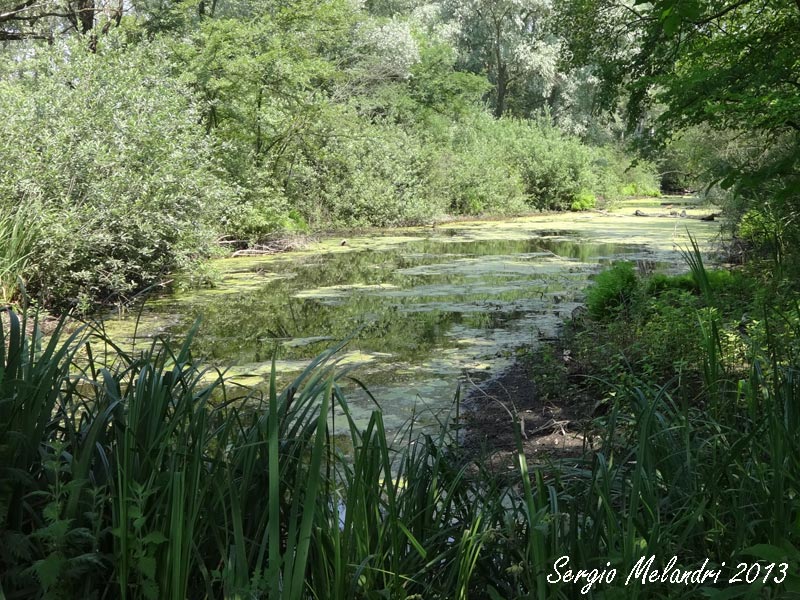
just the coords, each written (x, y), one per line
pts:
(660, 282)
(474, 181)
(109, 146)
(726, 286)
(473, 176)
(554, 167)
(613, 291)
(262, 211)
(583, 201)
(374, 175)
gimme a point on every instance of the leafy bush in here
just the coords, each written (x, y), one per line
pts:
(474, 181)
(260, 214)
(558, 170)
(758, 227)
(658, 283)
(373, 175)
(554, 167)
(109, 146)
(583, 201)
(618, 175)
(725, 285)
(474, 177)
(613, 290)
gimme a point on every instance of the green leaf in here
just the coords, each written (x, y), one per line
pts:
(671, 23)
(48, 569)
(414, 542)
(154, 538)
(147, 567)
(769, 552)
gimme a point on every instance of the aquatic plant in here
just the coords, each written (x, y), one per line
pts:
(17, 232)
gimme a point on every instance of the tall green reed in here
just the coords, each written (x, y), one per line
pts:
(146, 476)
(17, 235)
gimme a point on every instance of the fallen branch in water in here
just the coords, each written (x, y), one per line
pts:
(281, 244)
(675, 215)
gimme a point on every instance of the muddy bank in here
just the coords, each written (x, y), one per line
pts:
(543, 390)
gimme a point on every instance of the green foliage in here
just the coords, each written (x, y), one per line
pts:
(376, 175)
(178, 125)
(658, 283)
(554, 167)
(438, 87)
(686, 50)
(583, 201)
(108, 147)
(18, 232)
(613, 291)
(757, 227)
(476, 180)
(726, 105)
(255, 219)
(618, 175)
(146, 477)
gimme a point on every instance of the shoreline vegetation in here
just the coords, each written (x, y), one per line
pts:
(132, 477)
(100, 208)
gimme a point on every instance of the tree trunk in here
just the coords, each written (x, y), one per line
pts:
(502, 71)
(502, 90)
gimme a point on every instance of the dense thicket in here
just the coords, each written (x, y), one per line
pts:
(104, 154)
(136, 140)
(717, 81)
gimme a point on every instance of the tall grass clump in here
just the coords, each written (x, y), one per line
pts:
(121, 477)
(141, 476)
(17, 234)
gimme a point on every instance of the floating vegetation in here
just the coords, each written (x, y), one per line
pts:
(424, 309)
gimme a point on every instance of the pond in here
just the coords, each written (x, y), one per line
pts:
(425, 309)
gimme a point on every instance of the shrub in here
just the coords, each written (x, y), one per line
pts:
(726, 285)
(660, 282)
(473, 176)
(109, 146)
(261, 214)
(617, 175)
(372, 175)
(757, 227)
(583, 201)
(554, 167)
(613, 291)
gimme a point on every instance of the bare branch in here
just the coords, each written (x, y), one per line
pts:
(17, 9)
(725, 11)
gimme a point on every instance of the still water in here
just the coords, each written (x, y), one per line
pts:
(424, 309)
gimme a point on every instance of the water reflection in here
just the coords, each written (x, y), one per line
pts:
(422, 313)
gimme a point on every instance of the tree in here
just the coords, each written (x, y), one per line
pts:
(730, 66)
(511, 41)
